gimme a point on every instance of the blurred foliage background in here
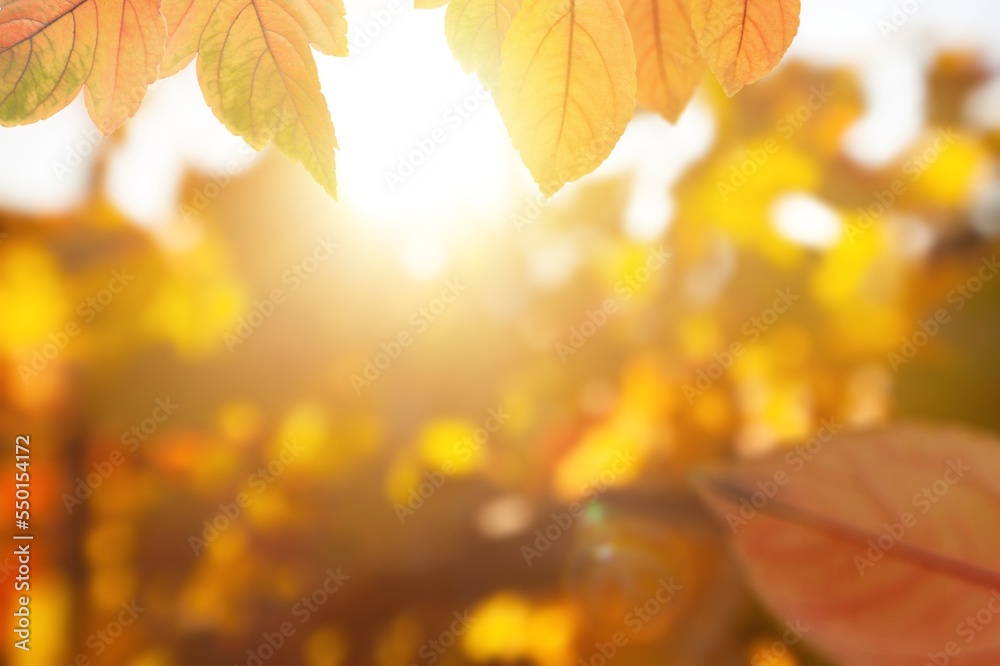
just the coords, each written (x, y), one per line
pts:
(503, 460)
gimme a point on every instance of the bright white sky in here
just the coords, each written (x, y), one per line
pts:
(396, 89)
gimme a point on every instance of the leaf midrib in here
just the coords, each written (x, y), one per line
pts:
(912, 554)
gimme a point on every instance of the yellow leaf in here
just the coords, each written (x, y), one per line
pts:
(567, 86)
(742, 40)
(669, 65)
(257, 72)
(475, 30)
(49, 49)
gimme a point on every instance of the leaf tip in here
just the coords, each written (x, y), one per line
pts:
(549, 190)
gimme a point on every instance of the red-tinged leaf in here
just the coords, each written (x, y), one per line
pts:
(669, 65)
(884, 544)
(36, 82)
(127, 56)
(50, 48)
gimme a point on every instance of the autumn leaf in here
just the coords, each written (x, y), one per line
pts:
(48, 50)
(669, 65)
(567, 86)
(257, 72)
(475, 30)
(881, 543)
(130, 43)
(742, 40)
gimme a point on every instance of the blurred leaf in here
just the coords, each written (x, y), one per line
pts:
(874, 541)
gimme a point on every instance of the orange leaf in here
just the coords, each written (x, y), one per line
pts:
(322, 20)
(129, 49)
(881, 544)
(257, 71)
(49, 49)
(669, 65)
(742, 40)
